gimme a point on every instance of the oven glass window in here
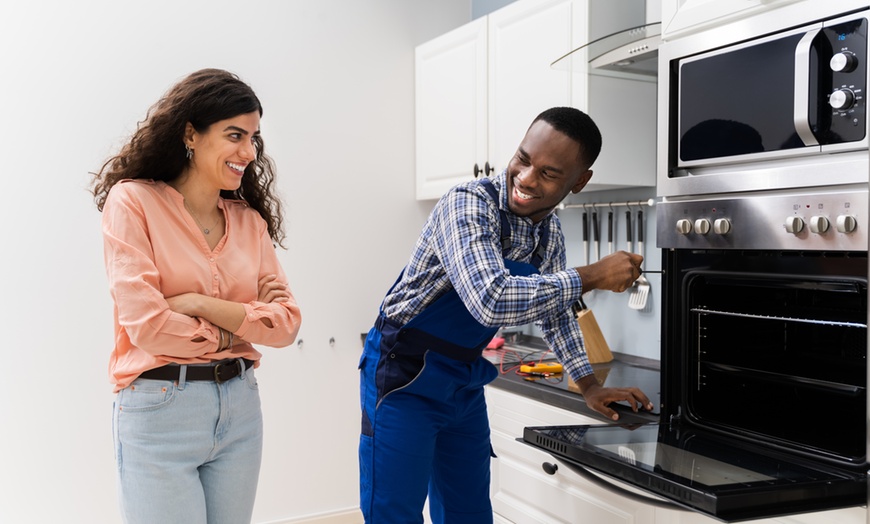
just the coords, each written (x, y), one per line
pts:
(766, 353)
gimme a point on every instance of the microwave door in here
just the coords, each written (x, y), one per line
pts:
(725, 478)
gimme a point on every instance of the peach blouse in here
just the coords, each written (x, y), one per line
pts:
(153, 249)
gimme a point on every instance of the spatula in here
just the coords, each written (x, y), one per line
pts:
(640, 288)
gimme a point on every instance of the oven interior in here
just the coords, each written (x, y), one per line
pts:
(770, 346)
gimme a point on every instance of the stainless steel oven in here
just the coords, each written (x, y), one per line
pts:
(764, 324)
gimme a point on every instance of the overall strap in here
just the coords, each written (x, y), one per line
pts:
(505, 224)
(538, 255)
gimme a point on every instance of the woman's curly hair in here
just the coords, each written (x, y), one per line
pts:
(156, 150)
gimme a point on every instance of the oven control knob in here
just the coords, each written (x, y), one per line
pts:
(794, 224)
(819, 224)
(842, 99)
(702, 226)
(846, 223)
(721, 226)
(684, 226)
(843, 62)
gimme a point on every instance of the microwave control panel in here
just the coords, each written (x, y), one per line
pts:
(846, 94)
(817, 221)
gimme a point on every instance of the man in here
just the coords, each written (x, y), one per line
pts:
(491, 254)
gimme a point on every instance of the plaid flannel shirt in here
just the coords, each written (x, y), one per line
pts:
(460, 248)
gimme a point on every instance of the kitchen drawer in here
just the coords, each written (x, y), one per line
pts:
(523, 493)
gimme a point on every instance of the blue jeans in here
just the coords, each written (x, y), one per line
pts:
(188, 452)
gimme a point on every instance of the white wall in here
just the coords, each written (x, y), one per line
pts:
(336, 80)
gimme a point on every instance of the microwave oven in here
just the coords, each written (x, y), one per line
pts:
(783, 109)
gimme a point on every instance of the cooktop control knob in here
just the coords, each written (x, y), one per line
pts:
(819, 224)
(843, 62)
(846, 223)
(842, 99)
(794, 224)
(684, 226)
(721, 226)
(702, 226)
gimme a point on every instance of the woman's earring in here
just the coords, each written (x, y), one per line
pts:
(189, 153)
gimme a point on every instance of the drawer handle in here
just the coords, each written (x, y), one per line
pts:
(549, 468)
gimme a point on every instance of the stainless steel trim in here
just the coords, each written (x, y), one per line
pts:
(802, 89)
(758, 220)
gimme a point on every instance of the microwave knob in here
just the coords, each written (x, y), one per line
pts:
(842, 99)
(819, 224)
(702, 226)
(721, 226)
(843, 62)
(846, 223)
(794, 224)
(684, 226)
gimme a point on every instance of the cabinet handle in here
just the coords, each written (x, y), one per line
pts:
(487, 169)
(549, 468)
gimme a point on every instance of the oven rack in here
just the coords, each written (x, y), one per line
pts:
(836, 323)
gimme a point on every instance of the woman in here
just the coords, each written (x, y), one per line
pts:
(189, 221)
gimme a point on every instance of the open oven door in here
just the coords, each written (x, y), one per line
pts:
(725, 478)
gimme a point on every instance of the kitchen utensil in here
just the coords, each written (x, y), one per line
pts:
(596, 235)
(597, 350)
(610, 232)
(641, 287)
(585, 237)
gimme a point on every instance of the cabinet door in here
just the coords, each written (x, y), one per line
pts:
(451, 122)
(525, 37)
(522, 493)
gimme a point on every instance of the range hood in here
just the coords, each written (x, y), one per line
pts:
(634, 51)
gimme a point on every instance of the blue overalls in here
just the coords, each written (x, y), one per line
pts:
(424, 422)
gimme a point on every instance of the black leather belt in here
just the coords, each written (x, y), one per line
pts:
(218, 372)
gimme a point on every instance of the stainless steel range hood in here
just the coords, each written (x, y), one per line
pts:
(633, 51)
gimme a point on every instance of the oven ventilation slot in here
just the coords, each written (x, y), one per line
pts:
(551, 444)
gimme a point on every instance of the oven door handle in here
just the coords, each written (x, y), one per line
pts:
(802, 87)
(613, 488)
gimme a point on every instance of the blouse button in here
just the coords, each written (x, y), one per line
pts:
(215, 277)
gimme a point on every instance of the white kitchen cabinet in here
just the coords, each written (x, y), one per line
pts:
(681, 17)
(479, 87)
(450, 108)
(522, 493)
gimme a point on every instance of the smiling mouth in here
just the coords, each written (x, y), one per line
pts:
(239, 168)
(521, 195)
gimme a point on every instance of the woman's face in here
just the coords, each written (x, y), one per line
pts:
(224, 150)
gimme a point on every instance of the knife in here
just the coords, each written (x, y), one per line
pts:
(596, 234)
(610, 233)
(585, 239)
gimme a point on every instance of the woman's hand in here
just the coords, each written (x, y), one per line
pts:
(270, 290)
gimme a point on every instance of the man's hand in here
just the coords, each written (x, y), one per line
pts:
(615, 272)
(598, 398)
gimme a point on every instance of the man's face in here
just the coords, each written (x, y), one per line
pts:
(545, 168)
